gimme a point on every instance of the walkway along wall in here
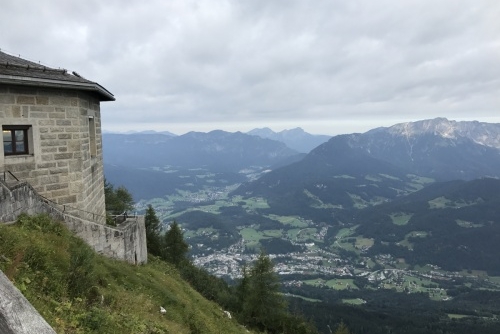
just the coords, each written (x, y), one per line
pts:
(126, 241)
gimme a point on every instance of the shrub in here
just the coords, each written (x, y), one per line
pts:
(42, 223)
(81, 267)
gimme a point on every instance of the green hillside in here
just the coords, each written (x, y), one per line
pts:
(78, 291)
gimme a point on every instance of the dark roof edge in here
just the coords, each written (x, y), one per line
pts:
(103, 93)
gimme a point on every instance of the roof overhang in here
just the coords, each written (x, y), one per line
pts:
(103, 93)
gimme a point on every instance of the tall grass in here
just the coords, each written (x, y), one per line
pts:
(79, 291)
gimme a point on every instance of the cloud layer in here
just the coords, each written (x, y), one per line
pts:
(328, 66)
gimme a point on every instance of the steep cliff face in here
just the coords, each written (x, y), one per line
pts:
(17, 316)
(438, 148)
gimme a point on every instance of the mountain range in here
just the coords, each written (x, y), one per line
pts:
(216, 150)
(156, 164)
(437, 148)
(353, 164)
(400, 220)
(296, 139)
(358, 170)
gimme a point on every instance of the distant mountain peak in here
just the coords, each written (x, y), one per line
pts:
(262, 132)
(293, 132)
(296, 138)
(144, 132)
(487, 134)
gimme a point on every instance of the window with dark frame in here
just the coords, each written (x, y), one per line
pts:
(15, 139)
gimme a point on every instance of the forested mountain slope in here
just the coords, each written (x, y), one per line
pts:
(455, 225)
(358, 170)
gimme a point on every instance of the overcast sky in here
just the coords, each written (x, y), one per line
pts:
(329, 67)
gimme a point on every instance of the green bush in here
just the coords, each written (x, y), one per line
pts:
(42, 223)
(81, 269)
(95, 319)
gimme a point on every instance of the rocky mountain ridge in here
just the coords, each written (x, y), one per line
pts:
(487, 134)
(437, 148)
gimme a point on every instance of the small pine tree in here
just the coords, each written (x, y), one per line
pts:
(264, 307)
(342, 329)
(174, 247)
(153, 229)
(242, 288)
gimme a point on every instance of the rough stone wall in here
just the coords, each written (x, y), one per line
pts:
(125, 242)
(65, 161)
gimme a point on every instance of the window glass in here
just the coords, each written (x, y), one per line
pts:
(6, 135)
(19, 135)
(20, 146)
(7, 147)
(7, 141)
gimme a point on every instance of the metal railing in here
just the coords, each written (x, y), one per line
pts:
(8, 172)
(67, 209)
(123, 217)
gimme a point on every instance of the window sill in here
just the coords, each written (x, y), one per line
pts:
(21, 158)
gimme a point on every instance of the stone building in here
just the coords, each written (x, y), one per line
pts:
(51, 133)
(51, 156)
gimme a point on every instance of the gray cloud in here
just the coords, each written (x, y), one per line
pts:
(328, 66)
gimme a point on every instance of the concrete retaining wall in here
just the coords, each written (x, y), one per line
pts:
(126, 241)
(17, 315)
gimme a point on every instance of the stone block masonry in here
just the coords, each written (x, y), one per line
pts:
(125, 242)
(64, 162)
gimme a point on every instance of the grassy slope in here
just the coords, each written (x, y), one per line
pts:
(78, 291)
